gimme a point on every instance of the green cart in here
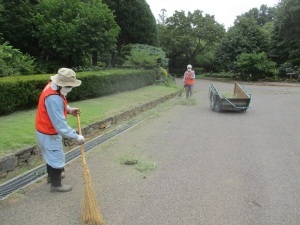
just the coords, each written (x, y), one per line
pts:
(240, 100)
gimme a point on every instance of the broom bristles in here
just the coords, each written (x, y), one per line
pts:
(91, 211)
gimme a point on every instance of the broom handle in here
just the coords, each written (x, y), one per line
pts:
(79, 131)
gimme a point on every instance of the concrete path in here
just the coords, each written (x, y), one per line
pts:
(210, 168)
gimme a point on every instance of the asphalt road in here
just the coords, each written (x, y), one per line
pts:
(210, 168)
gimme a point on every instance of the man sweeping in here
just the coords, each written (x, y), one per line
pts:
(189, 80)
(51, 125)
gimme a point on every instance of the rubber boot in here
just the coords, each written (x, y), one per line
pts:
(63, 173)
(56, 185)
(49, 176)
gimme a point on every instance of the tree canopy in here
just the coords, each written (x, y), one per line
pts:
(246, 36)
(262, 15)
(99, 32)
(16, 27)
(70, 30)
(184, 37)
(137, 23)
(286, 35)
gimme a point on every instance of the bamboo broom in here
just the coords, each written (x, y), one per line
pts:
(90, 210)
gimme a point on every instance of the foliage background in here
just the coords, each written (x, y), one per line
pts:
(93, 33)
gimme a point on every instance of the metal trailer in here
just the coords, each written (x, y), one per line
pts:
(241, 101)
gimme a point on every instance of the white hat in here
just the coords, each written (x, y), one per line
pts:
(189, 66)
(65, 77)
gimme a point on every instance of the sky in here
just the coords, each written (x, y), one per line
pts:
(225, 12)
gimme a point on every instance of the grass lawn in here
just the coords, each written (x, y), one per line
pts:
(17, 130)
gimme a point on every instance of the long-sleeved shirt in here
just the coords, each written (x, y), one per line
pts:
(55, 109)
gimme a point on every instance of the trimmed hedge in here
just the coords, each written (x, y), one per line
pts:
(22, 92)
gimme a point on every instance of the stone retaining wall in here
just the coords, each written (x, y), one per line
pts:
(27, 154)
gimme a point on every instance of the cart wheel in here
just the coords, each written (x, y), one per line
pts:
(218, 106)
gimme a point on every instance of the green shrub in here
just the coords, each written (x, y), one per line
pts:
(227, 75)
(199, 70)
(13, 62)
(163, 71)
(22, 92)
(144, 56)
(255, 66)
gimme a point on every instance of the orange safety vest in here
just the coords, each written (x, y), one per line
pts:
(43, 123)
(188, 76)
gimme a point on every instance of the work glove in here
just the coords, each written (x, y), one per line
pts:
(80, 139)
(74, 111)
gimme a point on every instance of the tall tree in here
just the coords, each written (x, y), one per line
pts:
(16, 26)
(262, 15)
(246, 36)
(184, 37)
(69, 31)
(137, 23)
(162, 17)
(286, 35)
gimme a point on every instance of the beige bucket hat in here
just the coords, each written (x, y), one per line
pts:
(65, 77)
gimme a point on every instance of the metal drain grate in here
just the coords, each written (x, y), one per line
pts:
(38, 173)
(33, 175)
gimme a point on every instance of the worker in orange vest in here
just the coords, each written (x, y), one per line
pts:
(189, 80)
(51, 125)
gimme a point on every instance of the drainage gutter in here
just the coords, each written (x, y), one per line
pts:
(40, 172)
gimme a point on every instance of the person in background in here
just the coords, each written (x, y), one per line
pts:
(51, 125)
(188, 81)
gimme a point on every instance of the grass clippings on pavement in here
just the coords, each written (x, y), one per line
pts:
(141, 164)
(188, 102)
